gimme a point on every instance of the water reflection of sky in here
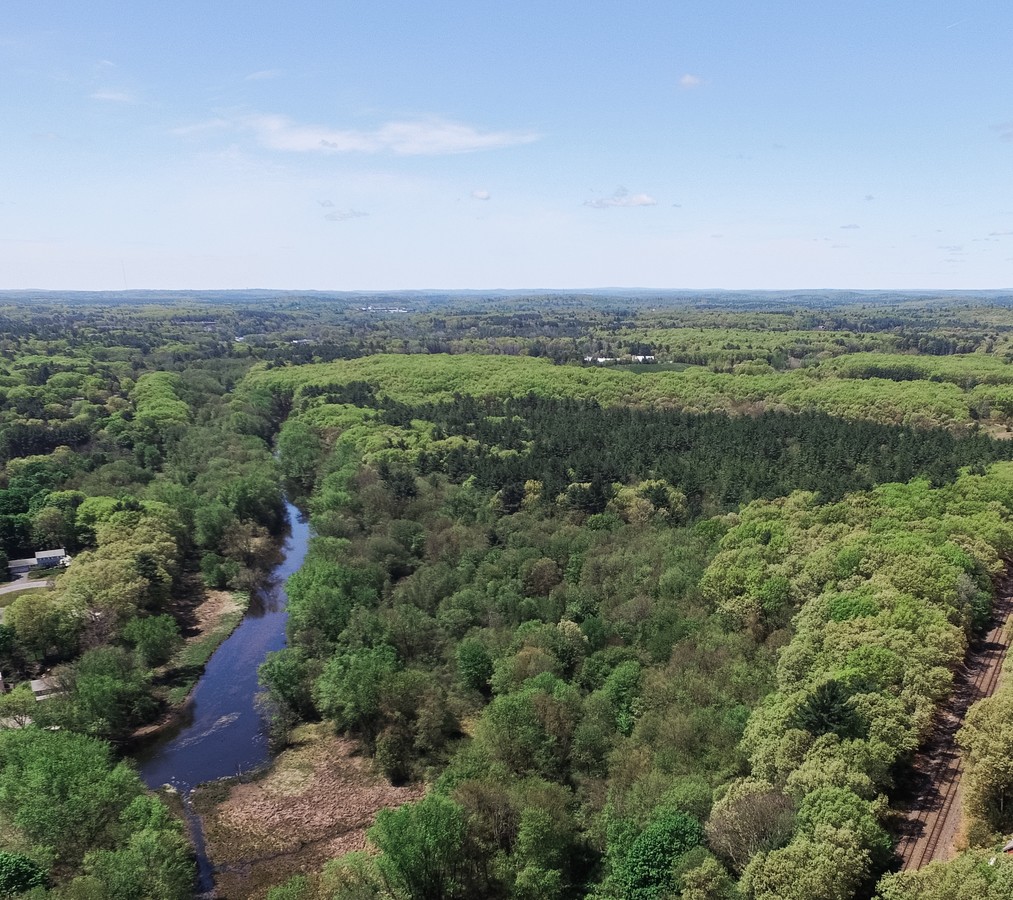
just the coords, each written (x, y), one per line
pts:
(222, 733)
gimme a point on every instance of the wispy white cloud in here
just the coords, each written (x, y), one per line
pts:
(1005, 130)
(621, 197)
(264, 75)
(110, 96)
(480, 195)
(343, 215)
(688, 81)
(427, 137)
(850, 227)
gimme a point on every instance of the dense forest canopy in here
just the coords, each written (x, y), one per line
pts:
(656, 594)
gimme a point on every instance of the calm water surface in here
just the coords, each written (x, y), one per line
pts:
(223, 733)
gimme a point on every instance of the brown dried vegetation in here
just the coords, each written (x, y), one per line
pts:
(313, 804)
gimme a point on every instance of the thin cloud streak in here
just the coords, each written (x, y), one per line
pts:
(264, 75)
(621, 197)
(1005, 130)
(344, 215)
(428, 137)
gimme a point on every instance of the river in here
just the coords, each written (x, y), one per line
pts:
(222, 732)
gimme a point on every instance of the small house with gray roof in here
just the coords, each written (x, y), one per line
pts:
(43, 559)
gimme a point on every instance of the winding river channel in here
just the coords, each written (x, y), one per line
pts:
(222, 732)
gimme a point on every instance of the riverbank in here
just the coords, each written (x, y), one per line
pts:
(212, 621)
(312, 804)
(221, 732)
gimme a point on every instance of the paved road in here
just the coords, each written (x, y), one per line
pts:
(23, 584)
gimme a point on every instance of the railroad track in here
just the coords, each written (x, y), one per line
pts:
(934, 816)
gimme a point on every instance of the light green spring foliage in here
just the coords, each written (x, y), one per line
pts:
(875, 596)
(977, 875)
(159, 412)
(74, 810)
(870, 599)
(829, 865)
(416, 379)
(131, 570)
(884, 588)
(987, 740)
(423, 848)
(770, 339)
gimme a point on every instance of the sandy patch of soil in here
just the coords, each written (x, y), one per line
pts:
(315, 803)
(207, 615)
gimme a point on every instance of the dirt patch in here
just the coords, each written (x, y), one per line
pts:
(209, 613)
(197, 608)
(313, 804)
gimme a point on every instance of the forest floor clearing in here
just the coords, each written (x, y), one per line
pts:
(934, 815)
(314, 803)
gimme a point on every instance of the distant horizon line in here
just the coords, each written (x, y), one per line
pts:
(512, 290)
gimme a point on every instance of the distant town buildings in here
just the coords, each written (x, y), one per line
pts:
(617, 360)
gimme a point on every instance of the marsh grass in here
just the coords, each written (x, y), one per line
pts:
(313, 803)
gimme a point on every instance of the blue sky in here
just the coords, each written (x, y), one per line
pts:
(389, 145)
